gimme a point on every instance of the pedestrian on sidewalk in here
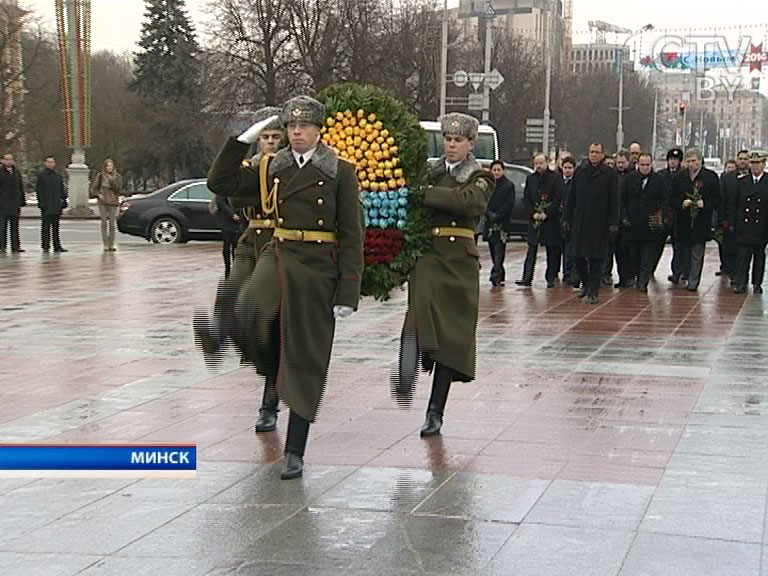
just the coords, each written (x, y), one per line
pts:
(591, 218)
(440, 324)
(106, 189)
(694, 196)
(674, 160)
(618, 247)
(255, 233)
(309, 274)
(543, 196)
(748, 212)
(51, 200)
(12, 199)
(496, 221)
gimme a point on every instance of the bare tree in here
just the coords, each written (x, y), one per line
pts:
(314, 27)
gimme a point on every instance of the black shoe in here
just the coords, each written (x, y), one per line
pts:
(593, 300)
(758, 289)
(522, 283)
(293, 466)
(267, 421)
(674, 280)
(550, 284)
(691, 288)
(643, 289)
(46, 250)
(60, 250)
(721, 273)
(583, 293)
(683, 278)
(432, 424)
(739, 289)
(18, 250)
(607, 280)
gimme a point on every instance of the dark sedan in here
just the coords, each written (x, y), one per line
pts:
(177, 213)
(517, 174)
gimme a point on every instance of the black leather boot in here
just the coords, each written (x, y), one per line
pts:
(441, 384)
(267, 421)
(207, 339)
(293, 466)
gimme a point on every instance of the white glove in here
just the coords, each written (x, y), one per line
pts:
(252, 134)
(342, 311)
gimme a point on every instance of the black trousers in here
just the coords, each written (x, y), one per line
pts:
(553, 263)
(498, 251)
(50, 231)
(590, 271)
(643, 257)
(728, 253)
(619, 249)
(13, 223)
(746, 254)
(228, 247)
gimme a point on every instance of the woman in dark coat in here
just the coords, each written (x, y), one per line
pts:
(229, 224)
(543, 197)
(496, 221)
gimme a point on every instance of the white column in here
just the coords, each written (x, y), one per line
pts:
(78, 185)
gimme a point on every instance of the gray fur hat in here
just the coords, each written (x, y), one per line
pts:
(460, 124)
(266, 112)
(303, 109)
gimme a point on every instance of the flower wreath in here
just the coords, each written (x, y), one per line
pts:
(379, 135)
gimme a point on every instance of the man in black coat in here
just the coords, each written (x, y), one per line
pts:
(11, 201)
(51, 200)
(729, 185)
(747, 213)
(496, 222)
(591, 218)
(229, 224)
(542, 199)
(674, 160)
(644, 206)
(695, 194)
(617, 247)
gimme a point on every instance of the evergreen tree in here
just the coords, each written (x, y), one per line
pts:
(167, 78)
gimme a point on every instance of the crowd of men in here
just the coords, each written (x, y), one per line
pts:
(618, 209)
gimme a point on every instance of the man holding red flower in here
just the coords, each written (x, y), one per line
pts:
(694, 196)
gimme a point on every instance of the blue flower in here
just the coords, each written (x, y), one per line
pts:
(401, 224)
(373, 213)
(402, 213)
(402, 201)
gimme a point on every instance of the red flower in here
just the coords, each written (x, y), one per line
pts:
(382, 246)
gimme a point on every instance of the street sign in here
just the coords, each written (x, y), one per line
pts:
(476, 78)
(494, 79)
(475, 102)
(489, 11)
(460, 78)
(534, 130)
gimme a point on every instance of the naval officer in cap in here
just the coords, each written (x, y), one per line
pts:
(309, 274)
(441, 321)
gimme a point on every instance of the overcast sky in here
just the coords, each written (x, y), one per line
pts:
(117, 23)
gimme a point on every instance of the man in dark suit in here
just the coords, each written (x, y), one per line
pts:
(747, 213)
(729, 183)
(591, 218)
(695, 194)
(496, 221)
(51, 199)
(644, 206)
(11, 201)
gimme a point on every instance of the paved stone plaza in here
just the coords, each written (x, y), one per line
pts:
(628, 438)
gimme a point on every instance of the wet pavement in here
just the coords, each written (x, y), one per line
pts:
(625, 439)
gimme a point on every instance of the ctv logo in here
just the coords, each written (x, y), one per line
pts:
(705, 52)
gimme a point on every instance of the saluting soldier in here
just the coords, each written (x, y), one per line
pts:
(748, 213)
(256, 232)
(441, 322)
(309, 273)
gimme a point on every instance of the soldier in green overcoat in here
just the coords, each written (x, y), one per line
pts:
(309, 274)
(256, 233)
(441, 322)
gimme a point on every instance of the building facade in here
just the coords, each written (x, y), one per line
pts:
(586, 58)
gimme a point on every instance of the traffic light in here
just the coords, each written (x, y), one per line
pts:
(682, 107)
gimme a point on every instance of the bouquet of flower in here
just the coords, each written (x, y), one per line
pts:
(694, 197)
(540, 208)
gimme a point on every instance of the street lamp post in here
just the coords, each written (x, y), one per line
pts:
(620, 125)
(444, 61)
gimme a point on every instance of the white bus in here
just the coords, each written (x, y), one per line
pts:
(486, 147)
